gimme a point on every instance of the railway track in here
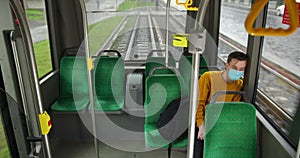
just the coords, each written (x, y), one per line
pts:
(147, 32)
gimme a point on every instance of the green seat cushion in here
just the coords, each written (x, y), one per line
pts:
(73, 85)
(155, 140)
(109, 104)
(109, 80)
(160, 91)
(230, 130)
(70, 104)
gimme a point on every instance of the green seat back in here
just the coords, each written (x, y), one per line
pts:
(160, 91)
(230, 130)
(153, 62)
(109, 83)
(185, 69)
(74, 92)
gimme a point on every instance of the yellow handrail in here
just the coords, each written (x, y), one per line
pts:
(255, 10)
(188, 5)
(180, 3)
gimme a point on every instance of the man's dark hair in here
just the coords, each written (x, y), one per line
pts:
(237, 55)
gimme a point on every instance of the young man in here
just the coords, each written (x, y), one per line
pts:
(213, 81)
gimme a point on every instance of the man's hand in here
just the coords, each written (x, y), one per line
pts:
(201, 132)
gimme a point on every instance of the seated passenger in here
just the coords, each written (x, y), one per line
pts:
(213, 81)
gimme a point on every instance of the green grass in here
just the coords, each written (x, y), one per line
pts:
(35, 14)
(4, 153)
(129, 4)
(140, 3)
(43, 57)
(99, 32)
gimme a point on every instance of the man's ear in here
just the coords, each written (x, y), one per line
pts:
(227, 66)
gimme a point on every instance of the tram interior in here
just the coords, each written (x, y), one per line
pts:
(108, 49)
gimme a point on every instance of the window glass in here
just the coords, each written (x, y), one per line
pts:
(4, 152)
(133, 27)
(36, 15)
(233, 35)
(279, 78)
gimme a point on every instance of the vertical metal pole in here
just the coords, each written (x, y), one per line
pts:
(298, 150)
(15, 4)
(194, 78)
(193, 103)
(167, 32)
(88, 58)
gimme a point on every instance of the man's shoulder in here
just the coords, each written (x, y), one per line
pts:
(212, 73)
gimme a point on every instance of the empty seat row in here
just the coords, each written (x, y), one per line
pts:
(108, 82)
(74, 89)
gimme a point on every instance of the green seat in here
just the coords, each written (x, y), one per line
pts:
(74, 94)
(185, 69)
(109, 83)
(152, 62)
(161, 89)
(230, 130)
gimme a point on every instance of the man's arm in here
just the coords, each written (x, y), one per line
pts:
(203, 93)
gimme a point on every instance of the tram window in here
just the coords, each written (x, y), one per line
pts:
(37, 20)
(279, 78)
(4, 151)
(233, 35)
(134, 27)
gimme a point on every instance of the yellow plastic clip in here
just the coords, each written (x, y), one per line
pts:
(90, 64)
(180, 40)
(188, 5)
(45, 123)
(258, 6)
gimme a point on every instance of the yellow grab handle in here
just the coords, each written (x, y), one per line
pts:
(255, 10)
(187, 4)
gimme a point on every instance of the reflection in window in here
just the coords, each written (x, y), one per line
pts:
(36, 15)
(279, 73)
(233, 35)
(4, 152)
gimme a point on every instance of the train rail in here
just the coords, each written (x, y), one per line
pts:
(148, 29)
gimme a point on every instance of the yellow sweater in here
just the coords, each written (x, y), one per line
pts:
(209, 83)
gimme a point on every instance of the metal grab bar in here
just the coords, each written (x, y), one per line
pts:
(217, 94)
(176, 72)
(167, 32)
(90, 71)
(110, 51)
(19, 12)
(298, 150)
(12, 39)
(255, 10)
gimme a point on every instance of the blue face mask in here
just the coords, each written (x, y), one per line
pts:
(235, 74)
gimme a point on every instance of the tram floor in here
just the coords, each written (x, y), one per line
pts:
(132, 149)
